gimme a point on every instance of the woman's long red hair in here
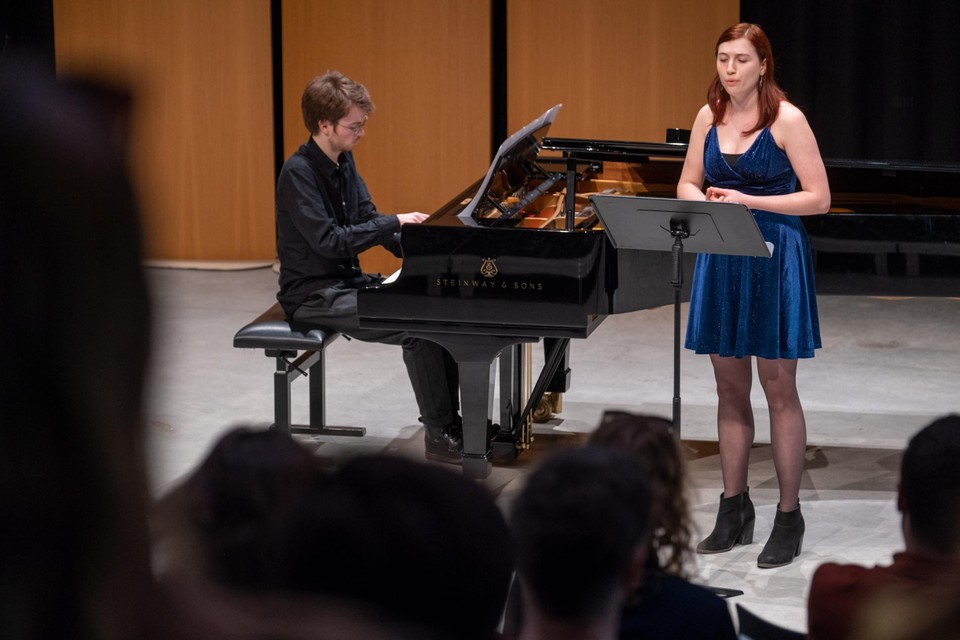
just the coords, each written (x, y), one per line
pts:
(770, 94)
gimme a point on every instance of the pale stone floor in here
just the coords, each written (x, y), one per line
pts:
(888, 367)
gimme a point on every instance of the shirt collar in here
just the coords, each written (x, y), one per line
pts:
(323, 163)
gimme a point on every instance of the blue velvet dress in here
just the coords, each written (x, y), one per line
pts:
(745, 306)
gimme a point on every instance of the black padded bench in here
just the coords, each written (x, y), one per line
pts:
(280, 340)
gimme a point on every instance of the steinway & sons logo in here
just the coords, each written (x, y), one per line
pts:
(489, 271)
(488, 268)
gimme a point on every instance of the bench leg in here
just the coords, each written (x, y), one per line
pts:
(913, 265)
(281, 396)
(880, 263)
(311, 364)
(318, 394)
(318, 406)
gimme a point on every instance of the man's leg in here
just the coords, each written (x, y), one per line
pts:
(432, 371)
(437, 391)
(427, 369)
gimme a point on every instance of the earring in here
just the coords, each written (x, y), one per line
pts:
(761, 83)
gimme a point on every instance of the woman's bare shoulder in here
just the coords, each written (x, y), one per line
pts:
(790, 114)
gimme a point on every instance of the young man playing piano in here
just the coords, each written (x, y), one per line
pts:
(325, 218)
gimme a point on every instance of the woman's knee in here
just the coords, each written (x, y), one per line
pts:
(734, 377)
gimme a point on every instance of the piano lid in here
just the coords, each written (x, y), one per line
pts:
(514, 164)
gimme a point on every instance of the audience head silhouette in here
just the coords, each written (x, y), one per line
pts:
(652, 439)
(379, 545)
(422, 545)
(236, 504)
(930, 488)
(581, 527)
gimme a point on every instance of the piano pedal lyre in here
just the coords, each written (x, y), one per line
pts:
(526, 390)
(551, 403)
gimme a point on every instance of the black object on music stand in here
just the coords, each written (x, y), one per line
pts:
(663, 224)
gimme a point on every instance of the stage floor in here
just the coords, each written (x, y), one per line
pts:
(888, 367)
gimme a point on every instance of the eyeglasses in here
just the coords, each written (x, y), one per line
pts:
(355, 128)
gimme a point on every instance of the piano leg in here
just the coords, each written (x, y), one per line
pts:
(511, 373)
(475, 355)
(514, 391)
(476, 404)
(560, 382)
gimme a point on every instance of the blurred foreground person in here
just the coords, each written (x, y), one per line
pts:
(842, 595)
(74, 334)
(377, 547)
(582, 535)
(666, 605)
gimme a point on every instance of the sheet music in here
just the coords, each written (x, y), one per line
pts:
(392, 277)
(544, 120)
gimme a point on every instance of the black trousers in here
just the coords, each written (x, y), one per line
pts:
(431, 369)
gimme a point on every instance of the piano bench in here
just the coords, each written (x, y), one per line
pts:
(913, 250)
(879, 248)
(282, 341)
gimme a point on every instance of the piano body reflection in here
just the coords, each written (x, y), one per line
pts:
(518, 257)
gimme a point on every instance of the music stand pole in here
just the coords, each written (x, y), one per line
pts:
(679, 231)
(640, 223)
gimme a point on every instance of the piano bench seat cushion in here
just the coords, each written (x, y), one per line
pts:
(272, 332)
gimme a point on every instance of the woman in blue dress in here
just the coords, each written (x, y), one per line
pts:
(749, 145)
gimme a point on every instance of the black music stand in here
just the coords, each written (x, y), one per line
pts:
(663, 224)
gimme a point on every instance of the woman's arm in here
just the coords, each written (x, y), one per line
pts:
(690, 186)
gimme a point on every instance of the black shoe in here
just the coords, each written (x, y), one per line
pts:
(735, 520)
(457, 428)
(444, 444)
(786, 540)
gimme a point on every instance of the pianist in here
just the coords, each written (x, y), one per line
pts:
(325, 218)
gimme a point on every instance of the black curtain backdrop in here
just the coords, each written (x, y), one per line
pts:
(26, 28)
(879, 80)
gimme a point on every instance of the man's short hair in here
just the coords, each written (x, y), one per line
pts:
(576, 524)
(930, 482)
(419, 544)
(329, 98)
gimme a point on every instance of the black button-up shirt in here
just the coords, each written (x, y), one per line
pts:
(325, 218)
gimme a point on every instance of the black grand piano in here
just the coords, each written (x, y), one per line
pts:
(893, 229)
(517, 257)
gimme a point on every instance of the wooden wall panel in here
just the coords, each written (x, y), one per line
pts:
(202, 153)
(624, 70)
(202, 136)
(426, 64)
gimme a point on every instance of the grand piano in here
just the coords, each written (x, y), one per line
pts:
(518, 257)
(893, 229)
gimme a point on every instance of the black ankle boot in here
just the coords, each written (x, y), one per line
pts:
(444, 444)
(785, 540)
(734, 524)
